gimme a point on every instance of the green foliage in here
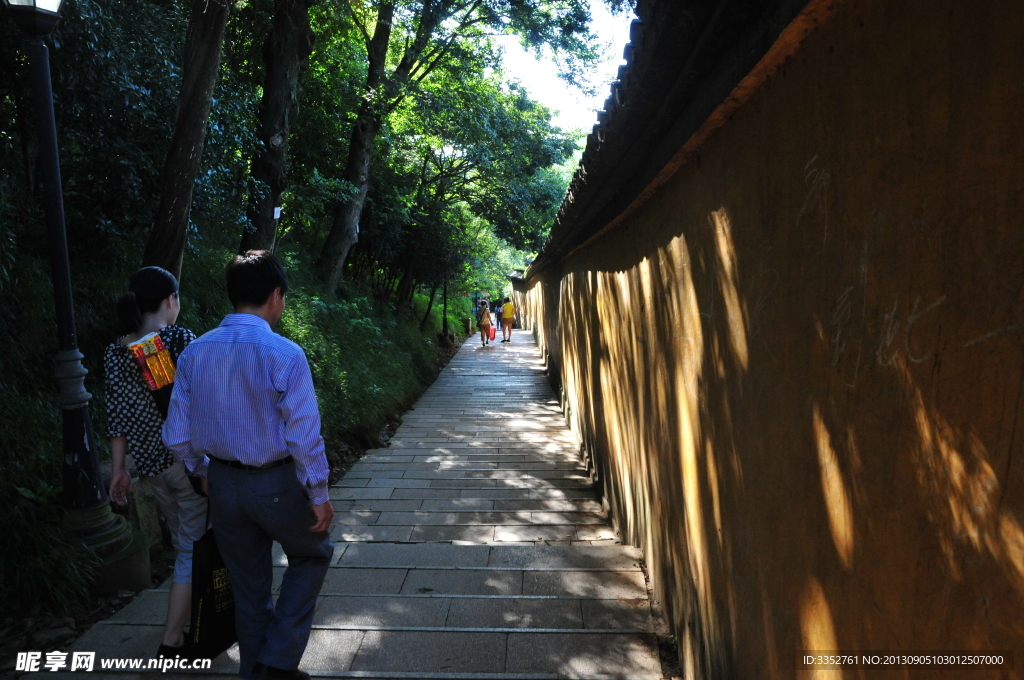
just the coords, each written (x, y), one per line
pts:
(485, 143)
(368, 362)
(306, 205)
(446, 31)
(44, 568)
(466, 178)
(115, 83)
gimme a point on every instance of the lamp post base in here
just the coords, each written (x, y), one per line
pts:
(124, 552)
(127, 569)
(100, 529)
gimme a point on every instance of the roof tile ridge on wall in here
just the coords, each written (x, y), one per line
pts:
(620, 123)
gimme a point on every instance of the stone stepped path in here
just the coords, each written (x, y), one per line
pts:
(472, 547)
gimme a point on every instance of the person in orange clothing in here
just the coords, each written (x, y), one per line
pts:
(483, 322)
(508, 315)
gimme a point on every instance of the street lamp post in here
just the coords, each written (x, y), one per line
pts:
(85, 498)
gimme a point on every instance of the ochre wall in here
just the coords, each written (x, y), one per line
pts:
(798, 367)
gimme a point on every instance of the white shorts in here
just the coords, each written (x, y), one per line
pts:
(185, 511)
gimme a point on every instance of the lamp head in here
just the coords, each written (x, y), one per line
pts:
(36, 18)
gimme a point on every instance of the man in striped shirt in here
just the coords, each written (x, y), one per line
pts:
(243, 413)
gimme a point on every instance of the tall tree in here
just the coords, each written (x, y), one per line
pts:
(410, 40)
(285, 55)
(203, 44)
(474, 156)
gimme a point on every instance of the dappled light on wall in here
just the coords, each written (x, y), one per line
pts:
(716, 500)
(837, 499)
(635, 375)
(954, 469)
(728, 281)
(817, 629)
(614, 301)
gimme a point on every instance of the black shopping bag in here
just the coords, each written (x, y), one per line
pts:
(213, 606)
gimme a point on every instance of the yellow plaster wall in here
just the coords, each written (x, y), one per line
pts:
(798, 366)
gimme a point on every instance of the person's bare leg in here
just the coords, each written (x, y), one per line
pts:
(179, 608)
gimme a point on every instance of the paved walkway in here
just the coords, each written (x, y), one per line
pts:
(472, 547)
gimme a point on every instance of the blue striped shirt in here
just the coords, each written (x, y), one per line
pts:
(244, 393)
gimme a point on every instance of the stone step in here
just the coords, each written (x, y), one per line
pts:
(515, 483)
(512, 423)
(430, 518)
(541, 436)
(508, 654)
(493, 654)
(490, 493)
(469, 504)
(483, 534)
(530, 419)
(418, 473)
(409, 611)
(480, 581)
(476, 466)
(478, 458)
(482, 453)
(619, 558)
(547, 445)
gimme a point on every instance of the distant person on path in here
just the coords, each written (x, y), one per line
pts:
(245, 414)
(139, 371)
(508, 313)
(483, 322)
(497, 315)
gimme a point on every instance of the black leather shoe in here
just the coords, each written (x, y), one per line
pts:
(263, 672)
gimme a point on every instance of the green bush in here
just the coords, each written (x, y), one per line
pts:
(459, 307)
(44, 568)
(368, 363)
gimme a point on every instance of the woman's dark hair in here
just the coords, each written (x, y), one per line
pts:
(252, 277)
(147, 288)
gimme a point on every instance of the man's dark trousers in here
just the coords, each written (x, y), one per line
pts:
(249, 510)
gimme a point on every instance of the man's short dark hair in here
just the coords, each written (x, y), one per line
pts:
(252, 277)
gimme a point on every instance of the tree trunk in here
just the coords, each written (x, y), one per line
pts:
(285, 54)
(199, 75)
(344, 230)
(406, 286)
(430, 307)
(360, 265)
(409, 293)
(444, 319)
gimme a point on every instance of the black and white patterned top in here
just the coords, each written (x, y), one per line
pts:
(133, 409)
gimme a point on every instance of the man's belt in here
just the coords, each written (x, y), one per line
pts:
(242, 466)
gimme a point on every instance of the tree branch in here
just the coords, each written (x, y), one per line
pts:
(431, 60)
(347, 4)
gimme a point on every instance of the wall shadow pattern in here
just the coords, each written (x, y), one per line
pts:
(797, 369)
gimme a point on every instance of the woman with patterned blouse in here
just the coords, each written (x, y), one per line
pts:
(139, 371)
